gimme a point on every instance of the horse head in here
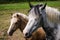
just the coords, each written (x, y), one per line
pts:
(14, 23)
(35, 18)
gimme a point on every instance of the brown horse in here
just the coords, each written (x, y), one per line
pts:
(19, 20)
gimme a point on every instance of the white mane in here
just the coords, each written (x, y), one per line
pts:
(21, 14)
(52, 13)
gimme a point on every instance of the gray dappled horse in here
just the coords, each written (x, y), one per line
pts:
(47, 17)
(19, 21)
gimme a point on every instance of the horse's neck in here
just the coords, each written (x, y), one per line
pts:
(51, 21)
(44, 20)
(24, 20)
(49, 27)
(53, 14)
(48, 23)
(23, 24)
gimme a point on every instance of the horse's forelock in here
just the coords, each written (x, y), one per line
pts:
(38, 5)
(15, 15)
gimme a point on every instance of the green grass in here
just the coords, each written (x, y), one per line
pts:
(7, 9)
(19, 6)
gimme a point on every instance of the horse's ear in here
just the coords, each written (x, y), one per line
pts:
(30, 5)
(44, 6)
(17, 15)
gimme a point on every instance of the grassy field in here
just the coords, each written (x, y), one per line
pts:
(5, 15)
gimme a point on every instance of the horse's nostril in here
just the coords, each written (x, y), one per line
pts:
(26, 34)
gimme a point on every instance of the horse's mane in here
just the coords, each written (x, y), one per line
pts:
(51, 9)
(22, 16)
(53, 14)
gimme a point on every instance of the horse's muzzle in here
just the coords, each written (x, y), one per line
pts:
(10, 33)
(27, 35)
